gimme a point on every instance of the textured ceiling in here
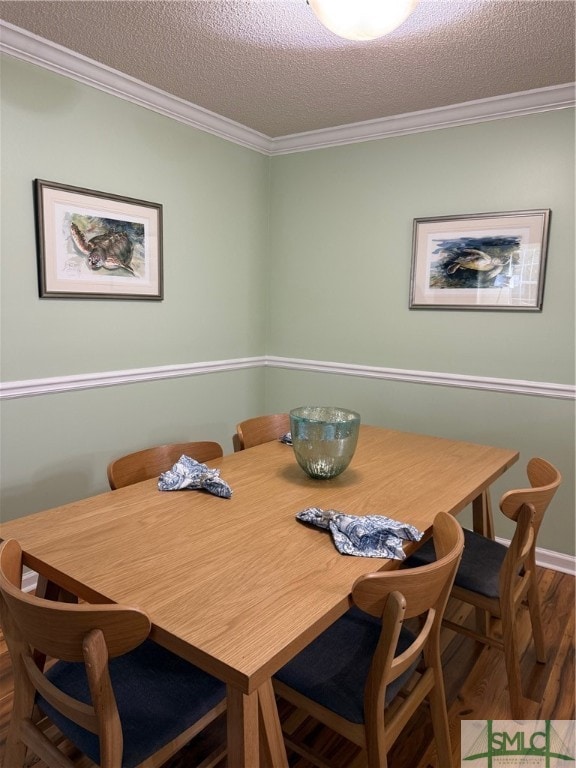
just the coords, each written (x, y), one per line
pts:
(271, 66)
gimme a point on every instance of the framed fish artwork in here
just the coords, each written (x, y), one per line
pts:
(97, 245)
(491, 261)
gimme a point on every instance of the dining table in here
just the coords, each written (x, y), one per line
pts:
(239, 586)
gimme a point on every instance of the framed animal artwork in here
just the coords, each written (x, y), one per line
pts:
(97, 245)
(491, 261)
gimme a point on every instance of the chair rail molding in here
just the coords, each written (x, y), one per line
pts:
(520, 387)
(26, 46)
(59, 384)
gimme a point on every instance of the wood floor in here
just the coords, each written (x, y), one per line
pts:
(475, 688)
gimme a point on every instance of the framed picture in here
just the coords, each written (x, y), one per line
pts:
(480, 261)
(97, 245)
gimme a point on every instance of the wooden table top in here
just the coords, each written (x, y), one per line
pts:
(238, 586)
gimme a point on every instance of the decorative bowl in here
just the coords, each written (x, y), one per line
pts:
(324, 438)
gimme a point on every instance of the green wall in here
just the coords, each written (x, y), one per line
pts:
(214, 196)
(341, 225)
(55, 448)
(304, 256)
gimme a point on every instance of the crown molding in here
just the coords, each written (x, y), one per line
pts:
(18, 389)
(23, 45)
(482, 110)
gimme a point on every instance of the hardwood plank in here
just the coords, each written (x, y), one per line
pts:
(558, 695)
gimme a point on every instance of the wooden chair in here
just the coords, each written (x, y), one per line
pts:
(120, 698)
(350, 677)
(151, 462)
(497, 579)
(261, 429)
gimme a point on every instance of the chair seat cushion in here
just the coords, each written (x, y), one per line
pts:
(479, 569)
(158, 694)
(332, 670)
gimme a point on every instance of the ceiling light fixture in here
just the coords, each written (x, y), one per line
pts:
(362, 19)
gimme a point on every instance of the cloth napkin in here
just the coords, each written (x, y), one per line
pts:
(369, 536)
(189, 474)
(286, 439)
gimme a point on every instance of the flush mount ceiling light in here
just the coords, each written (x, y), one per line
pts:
(362, 19)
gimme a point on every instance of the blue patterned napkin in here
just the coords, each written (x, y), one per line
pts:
(369, 536)
(189, 474)
(286, 439)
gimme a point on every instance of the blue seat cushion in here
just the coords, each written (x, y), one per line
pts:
(158, 695)
(332, 670)
(479, 569)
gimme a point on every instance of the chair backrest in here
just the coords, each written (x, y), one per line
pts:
(262, 429)
(402, 594)
(526, 507)
(544, 480)
(69, 632)
(518, 565)
(151, 462)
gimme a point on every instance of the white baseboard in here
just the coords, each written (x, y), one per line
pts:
(29, 580)
(556, 561)
(547, 558)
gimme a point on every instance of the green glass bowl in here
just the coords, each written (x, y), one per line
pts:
(324, 438)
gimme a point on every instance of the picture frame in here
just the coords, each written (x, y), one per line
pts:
(490, 261)
(97, 245)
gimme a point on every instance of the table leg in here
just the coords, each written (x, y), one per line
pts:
(483, 524)
(482, 514)
(243, 741)
(46, 589)
(51, 591)
(272, 739)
